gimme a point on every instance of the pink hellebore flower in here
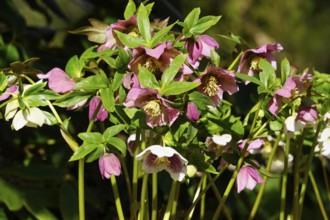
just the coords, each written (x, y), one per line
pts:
(254, 145)
(155, 60)
(292, 85)
(247, 177)
(157, 158)
(9, 91)
(58, 80)
(250, 58)
(307, 114)
(192, 112)
(109, 165)
(102, 113)
(202, 45)
(128, 26)
(157, 111)
(215, 81)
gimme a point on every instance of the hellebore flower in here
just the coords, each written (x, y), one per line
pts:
(307, 114)
(247, 177)
(9, 91)
(109, 165)
(292, 124)
(254, 145)
(157, 158)
(215, 81)
(250, 58)
(58, 80)
(324, 143)
(157, 111)
(291, 86)
(155, 60)
(192, 112)
(128, 26)
(221, 140)
(102, 113)
(201, 45)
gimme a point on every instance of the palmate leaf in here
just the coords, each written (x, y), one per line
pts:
(285, 70)
(176, 88)
(95, 33)
(112, 131)
(108, 99)
(267, 75)
(92, 83)
(144, 23)
(74, 67)
(172, 70)
(117, 143)
(147, 79)
(130, 41)
(203, 24)
(160, 36)
(130, 9)
(84, 150)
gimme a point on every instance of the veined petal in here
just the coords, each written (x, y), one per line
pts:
(11, 109)
(19, 121)
(35, 115)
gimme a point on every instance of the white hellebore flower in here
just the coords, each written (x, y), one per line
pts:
(30, 117)
(222, 140)
(324, 143)
(157, 158)
(292, 125)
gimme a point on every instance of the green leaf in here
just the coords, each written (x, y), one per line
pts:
(74, 67)
(92, 83)
(96, 154)
(72, 98)
(117, 81)
(10, 195)
(108, 99)
(83, 150)
(129, 40)
(34, 89)
(176, 88)
(3, 81)
(122, 60)
(215, 58)
(200, 100)
(130, 9)
(159, 36)
(192, 18)
(246, 77)
(172, 70)
(147, 79)
(144, 23)
(203, 24)
(285, 70)
(267, 75)
(91, 137)
(117, 143)
(112, 131)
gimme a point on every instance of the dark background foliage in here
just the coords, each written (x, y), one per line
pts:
(35, 176)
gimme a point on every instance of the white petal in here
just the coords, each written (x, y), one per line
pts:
(35, 116)
(11, 109)
(221, 139)
(19, 121)
(324, 135)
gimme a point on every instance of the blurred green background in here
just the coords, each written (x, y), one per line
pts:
(34, 172)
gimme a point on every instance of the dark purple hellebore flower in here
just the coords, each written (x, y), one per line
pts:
(155, 60)
(215, 81)
(109, 165)
(157, 111)
(201, 45)
(292, 85)
(58, 80)
(250, 58)
(102, 113)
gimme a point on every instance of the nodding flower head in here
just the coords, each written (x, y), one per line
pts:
(157, 158)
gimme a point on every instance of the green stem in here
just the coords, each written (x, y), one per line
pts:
(263, 186)
(296, 175)
(175, 200)
(191, 210)
(144, 197)
(154, 197)
(284, 179)
(307, 169)
(325, 175)
(202, 205)
(127, 180)
(81, 192)
(235, 61)
(318, 196)
(117, 197)
(170, 201)
(135, 175)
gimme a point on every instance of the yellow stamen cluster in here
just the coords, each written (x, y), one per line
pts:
(134, 32)
(162, 161)
(211, 87)
(151, 64)
(152, 108)
(255, 63)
